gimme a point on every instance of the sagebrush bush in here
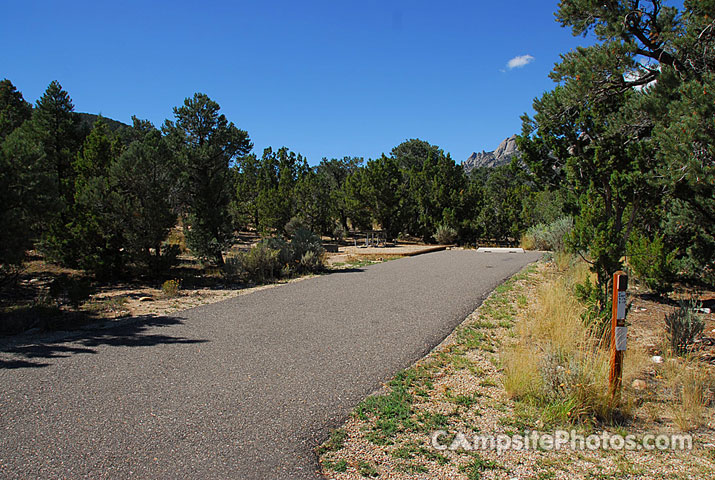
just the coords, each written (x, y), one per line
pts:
(550, 236)
(652, 263)
(261, 263)
(683, 326)
(293, 225)
(304, 241)
(285, 255)
(273, 258)
(445, 235)
(233, 266)
(311, 262)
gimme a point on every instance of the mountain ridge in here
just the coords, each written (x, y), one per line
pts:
(501, 156)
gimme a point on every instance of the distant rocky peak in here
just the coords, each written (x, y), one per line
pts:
(501, 156)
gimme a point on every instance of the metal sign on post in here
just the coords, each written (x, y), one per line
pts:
(619, 331)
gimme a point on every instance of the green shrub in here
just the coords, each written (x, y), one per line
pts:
(233, 266)
(304, 241)
(261, 263)
(72, 290)
(311, 262)
(550, 236)
(273, 258)
(171, 288)
(285, 255)
(597, 316)
(445, 235)
(683, 326)
(293, 225)
(651, 263)
(339, 233)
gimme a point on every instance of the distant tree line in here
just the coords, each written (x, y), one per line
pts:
(93, 194)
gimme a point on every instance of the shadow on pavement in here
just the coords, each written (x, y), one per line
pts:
(133, 334)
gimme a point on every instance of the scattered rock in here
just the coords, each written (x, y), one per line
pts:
(641, 309)
(656, 359)
(146, 299)
(639, 384)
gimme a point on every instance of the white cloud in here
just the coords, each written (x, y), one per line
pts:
(520, 61)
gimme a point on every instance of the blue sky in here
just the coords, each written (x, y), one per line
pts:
(324, 78)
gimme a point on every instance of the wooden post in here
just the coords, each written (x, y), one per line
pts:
(618, 331)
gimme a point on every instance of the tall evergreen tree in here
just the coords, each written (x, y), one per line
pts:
(55, 127)
(96, 229)
(21, 180)
(14, 110)
(376, 189)
(207, 145)
(336, 172)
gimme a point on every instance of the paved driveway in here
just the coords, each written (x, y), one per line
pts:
(244, 388)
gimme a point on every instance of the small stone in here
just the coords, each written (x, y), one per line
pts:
(146, 299)
(641, 309)
(656, 359)
(639, 384)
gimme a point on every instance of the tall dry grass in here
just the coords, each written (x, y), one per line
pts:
(557, 364)
(693, 386)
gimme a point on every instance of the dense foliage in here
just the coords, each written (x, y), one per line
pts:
(627, 133)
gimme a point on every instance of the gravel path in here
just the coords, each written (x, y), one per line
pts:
(244, 388)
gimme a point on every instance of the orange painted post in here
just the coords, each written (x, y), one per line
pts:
(619, 331)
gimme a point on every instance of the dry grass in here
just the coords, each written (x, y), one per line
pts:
(556, 363)
(692, 385)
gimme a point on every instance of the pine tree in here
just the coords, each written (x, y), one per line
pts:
(56, 130)
(14, 110)
(206, 145)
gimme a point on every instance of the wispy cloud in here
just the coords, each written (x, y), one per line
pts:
(520, 61)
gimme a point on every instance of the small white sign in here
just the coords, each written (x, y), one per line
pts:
(621, 338)
(621, 313)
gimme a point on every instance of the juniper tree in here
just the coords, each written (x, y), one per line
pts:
(96, 228)
(146, 177)
(280, 172)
